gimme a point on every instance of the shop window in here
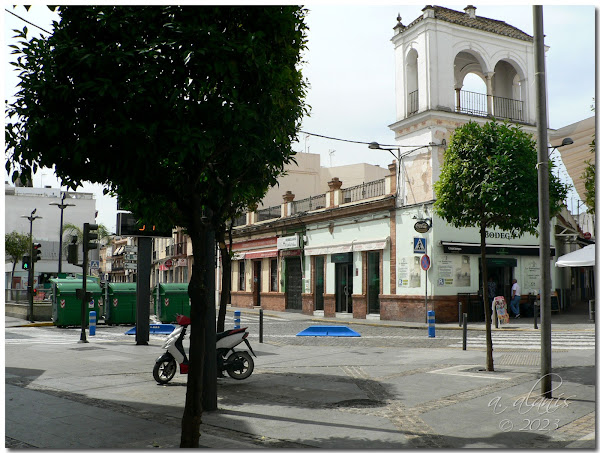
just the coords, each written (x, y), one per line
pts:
(242, 276)
(274, 281)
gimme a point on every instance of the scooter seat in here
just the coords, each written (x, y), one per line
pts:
(183, 320)
(226, 333)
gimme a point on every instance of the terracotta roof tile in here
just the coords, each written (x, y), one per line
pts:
(480, 23)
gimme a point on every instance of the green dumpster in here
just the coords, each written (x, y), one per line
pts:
(171, 299)
(66, 307)
(121, 304)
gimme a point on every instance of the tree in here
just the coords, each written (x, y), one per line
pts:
(489, 179)
(16, 245)
(181, 111)
(589, 178)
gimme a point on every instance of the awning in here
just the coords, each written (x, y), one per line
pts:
(263, 253)
(354, 246)
(579, 258)
(469, 248)
(238, 256)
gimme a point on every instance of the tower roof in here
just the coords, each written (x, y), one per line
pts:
(469, 19)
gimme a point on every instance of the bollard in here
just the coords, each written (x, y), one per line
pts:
(535, 316)
(431, 321)
(465, 316)
(92, 323)
(236, 319)
(460, 314)
(260, 326)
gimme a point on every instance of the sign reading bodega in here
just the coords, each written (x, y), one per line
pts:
(499, 235)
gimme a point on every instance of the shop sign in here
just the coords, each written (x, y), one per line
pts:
(288, 242)
(168, 264)
(181, 262)
(422, 226)
(341, 258)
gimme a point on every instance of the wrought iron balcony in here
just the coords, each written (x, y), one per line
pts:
(477, 104)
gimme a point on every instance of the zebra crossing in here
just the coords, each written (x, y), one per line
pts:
(583, 340)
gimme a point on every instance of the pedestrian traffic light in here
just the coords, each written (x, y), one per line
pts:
(37, 252)
(26, 262)
(89, 236)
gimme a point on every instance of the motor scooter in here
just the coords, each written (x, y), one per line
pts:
(238, 364)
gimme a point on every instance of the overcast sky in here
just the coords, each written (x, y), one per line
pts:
(350, 68)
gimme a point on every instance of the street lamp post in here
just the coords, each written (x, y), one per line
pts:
(375, 145)
(30, 273)
(62, 205)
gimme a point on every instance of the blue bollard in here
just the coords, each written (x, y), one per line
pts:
(92, 323)
(236, 319)
(431, 321)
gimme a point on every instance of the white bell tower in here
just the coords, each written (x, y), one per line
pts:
(433, 55)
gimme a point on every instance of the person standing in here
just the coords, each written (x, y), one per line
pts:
(515, 293)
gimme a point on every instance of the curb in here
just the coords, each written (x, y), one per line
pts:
(35, 324)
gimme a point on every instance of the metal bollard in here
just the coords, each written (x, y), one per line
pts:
(465, 316)
(459, 314)
(236, 319)
(260, 326)
(431, 321)
(535, 315)
(92, 323)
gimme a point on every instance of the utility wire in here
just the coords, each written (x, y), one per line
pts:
(25, 20)
(354, 141)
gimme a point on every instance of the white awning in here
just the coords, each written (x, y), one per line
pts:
(579, 258)
(354, 246)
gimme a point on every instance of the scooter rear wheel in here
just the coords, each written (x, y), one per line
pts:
(164, 370)
(239, 365)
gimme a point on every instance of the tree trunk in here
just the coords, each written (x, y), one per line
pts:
(192, 414)
(489, 362)
(12, 276)
(225, 279)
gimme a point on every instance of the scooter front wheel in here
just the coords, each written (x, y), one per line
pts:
(164, 370)
(239, 365)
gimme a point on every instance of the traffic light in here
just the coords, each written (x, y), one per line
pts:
(73, 251)
(89, 236)
(26, 262)
(37, 252)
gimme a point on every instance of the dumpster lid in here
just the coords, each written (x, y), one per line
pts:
(173, 287)
(122, 287)
(70, 286)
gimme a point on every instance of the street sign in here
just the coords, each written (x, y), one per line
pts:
(94, 264)
(130, 257)
(130, 249)
(419, 245)
(127, 265)
(425, 262)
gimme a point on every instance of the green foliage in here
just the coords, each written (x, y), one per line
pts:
(489, 178)
(16, 245)
(159, 103)
(589, 179)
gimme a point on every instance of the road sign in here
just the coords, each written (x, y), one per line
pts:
(419, 245)
(130, 257)
(127, 265)
(425, 262)
(94, 264)
(130, 249)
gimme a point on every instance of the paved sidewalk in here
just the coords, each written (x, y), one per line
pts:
(102, 395)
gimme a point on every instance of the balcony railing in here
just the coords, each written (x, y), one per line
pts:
(477, 104)
(240, 220)
(309, 204)
(274, 212)
(363, 191)
(413, 102)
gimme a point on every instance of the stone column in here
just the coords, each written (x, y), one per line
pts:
(288, 197)
(334, 192)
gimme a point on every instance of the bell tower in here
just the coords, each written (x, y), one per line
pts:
(433, 55)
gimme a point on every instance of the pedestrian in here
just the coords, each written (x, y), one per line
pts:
(515, 293)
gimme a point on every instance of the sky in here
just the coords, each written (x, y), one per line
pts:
(349, 65)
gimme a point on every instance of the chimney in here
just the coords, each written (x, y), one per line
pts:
(470, 10)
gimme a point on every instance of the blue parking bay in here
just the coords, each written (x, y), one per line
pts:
(328, 331)
(158, 329)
